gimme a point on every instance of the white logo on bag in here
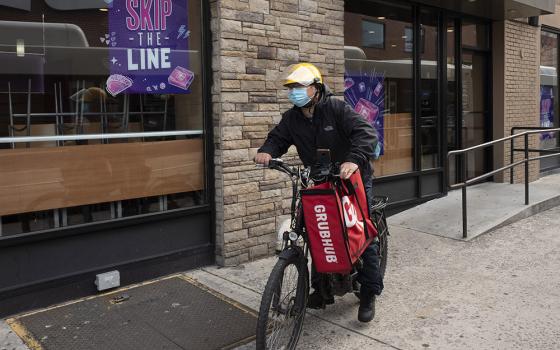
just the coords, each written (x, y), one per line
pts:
(350, 215)
(325, 233)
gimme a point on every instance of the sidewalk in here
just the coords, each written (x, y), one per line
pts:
(499, 291)
(489, 205)
(495, 291)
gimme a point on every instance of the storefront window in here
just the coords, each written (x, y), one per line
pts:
(373, 34)
(451, 98)
(549, 95)
(379, 80)
(429, 109)
(476, 115)
(475, 34)
(80, 70)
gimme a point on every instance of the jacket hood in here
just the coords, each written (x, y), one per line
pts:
(326, 94)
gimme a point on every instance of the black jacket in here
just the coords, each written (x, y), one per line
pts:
(334, 125)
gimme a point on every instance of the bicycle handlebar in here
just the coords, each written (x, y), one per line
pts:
(331, 171)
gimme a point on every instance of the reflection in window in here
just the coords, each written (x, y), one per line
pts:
(429, 109)
(77, 5)
(53, 81)
(451, 94)
(378, 82)
(475, 34)
(408, 39)
(549, 113)
(18, 4)
(373, 34)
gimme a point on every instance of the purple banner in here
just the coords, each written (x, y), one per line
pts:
(148, 47)
(547, 110)
(366, 94)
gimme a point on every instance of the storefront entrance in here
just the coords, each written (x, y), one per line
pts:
(401, 74)
(475, 125)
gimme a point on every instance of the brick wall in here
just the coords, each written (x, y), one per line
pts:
(521, 88)
(253, 41)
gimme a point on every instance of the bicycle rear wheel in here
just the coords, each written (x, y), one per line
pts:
(380, 222)
(383, 235)
(382, 230)
(283, 304)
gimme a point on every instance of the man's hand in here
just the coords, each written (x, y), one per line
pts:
(263, 158)
(347, 169)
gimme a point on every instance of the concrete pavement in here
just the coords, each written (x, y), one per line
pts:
(9, 340)
(489, 205)
(498, 291)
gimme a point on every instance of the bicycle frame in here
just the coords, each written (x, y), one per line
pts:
(300, 179)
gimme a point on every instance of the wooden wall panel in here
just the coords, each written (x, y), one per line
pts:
(36, 179)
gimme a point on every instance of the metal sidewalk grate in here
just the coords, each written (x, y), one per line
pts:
(173, 313)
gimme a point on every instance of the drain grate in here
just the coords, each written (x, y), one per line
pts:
(174, 313)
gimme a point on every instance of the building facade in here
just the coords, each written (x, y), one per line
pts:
(106, 193)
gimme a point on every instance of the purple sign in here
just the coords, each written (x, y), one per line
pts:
(366, 94)
(547, 110)
(148, 47)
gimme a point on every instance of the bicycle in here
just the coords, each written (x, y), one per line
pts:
(283, 304)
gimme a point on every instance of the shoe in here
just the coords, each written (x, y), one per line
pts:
(316, 301)
(366, 311)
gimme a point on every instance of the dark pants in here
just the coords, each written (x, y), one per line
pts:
(369, 275)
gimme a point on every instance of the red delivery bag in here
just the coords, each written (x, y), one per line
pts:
(337, 223)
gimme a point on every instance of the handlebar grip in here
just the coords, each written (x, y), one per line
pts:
(274, 162)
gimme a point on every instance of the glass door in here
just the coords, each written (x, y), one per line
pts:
(451, 97)
(475, 111)
(467, 95)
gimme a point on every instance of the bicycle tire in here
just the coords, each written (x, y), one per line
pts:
(295, 308)
(383, 245)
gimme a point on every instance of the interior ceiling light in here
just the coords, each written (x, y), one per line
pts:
(450, 30)
(20, 48)
(393, 45)
(103, 10)
(372, 31)
(380, 17)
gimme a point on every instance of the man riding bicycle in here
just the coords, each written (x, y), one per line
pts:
(320, 121)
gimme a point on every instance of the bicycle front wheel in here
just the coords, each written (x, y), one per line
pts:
(283, 304)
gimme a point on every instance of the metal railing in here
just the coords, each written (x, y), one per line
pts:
(85, 137)
(465, 182)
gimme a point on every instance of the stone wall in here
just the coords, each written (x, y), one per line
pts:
(253, 41)
(522, 89)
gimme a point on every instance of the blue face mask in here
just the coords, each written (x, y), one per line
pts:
(298, 96)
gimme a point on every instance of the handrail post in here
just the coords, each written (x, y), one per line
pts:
(511, 159)
(526, 169)
(464, 194)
